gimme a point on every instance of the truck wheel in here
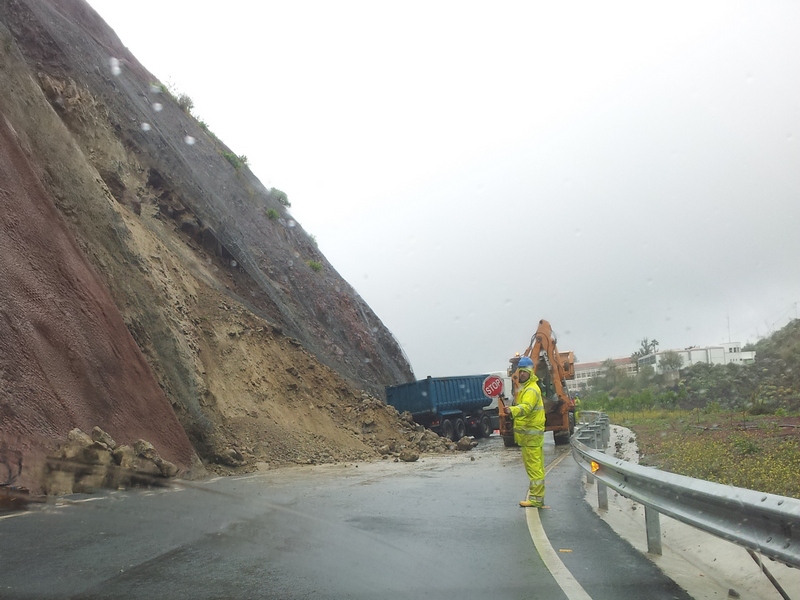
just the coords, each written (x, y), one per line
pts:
(459, 429)
(447, 429)
(561, 437)
(508, 441)
(485, 427)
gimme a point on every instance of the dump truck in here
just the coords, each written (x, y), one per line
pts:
(451, 406)
(553, 368)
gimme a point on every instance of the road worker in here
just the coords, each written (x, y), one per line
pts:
(528, 415)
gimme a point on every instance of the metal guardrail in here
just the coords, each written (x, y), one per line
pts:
(765, 523)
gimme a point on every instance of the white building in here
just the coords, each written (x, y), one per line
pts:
(584, 372)
(722, 354)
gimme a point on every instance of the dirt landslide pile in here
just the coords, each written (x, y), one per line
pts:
(152, 287)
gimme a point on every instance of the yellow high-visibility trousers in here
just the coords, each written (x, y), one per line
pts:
(533, 459)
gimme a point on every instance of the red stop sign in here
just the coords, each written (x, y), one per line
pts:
(492, 386)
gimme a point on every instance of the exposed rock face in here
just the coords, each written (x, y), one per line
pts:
(145, 286)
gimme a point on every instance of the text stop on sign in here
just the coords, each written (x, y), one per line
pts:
(492, 386)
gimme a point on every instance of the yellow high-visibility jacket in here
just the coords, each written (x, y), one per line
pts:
(528, 414)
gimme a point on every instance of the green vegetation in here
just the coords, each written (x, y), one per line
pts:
(759, 453)
(280, 196)
(238, 161)
(272, 214)
(647, 347)
(185, 102)
(737, 424)
(770, 385)
(315, 266)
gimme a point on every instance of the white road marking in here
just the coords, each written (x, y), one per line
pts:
(549, 556)
(12, 515)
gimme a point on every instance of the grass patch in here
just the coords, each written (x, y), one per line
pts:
(315, 266)
(760, 453)
(238, 161)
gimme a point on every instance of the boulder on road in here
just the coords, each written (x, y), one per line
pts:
(409, 456)
(466, 443)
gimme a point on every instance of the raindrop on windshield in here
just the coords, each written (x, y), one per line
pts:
(114, 64)
(234, 264)
(189, 140)
(155, 88)
(290, 223)
(367, 360)
(290, 263)
(145, 127)
(157, 106)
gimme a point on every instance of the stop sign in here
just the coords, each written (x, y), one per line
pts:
(492, 386)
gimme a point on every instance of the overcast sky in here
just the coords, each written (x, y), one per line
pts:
(621, 169)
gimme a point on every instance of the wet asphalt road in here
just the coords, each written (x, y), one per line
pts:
(448, 527)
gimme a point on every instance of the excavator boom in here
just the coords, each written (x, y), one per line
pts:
(553, 368)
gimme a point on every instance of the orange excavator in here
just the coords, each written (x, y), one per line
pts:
(553, 368)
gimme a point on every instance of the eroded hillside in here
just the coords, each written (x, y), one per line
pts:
(263, 352)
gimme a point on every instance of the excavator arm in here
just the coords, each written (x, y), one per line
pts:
(553, 368)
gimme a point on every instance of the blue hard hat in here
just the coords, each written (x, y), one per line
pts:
(525, 363)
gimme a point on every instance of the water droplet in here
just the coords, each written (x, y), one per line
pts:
(155, 88)
(337, 289)
(189, 140)
(374, 330)
(424, 394)
(296, 254)
(367, 360)
(290, 263)
(157, 106)
(114, 64)
(290, 223)
(234, 264)
(649, 281)
(145, 127)
(578, 232)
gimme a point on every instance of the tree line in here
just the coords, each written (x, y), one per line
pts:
(770, 385)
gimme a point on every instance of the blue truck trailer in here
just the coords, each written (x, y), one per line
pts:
(451, 406)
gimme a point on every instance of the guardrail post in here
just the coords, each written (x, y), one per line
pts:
(653, 526)
(602, 495)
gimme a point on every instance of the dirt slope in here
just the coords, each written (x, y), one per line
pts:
(262, 359)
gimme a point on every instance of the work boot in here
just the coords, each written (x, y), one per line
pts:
(529, 504)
